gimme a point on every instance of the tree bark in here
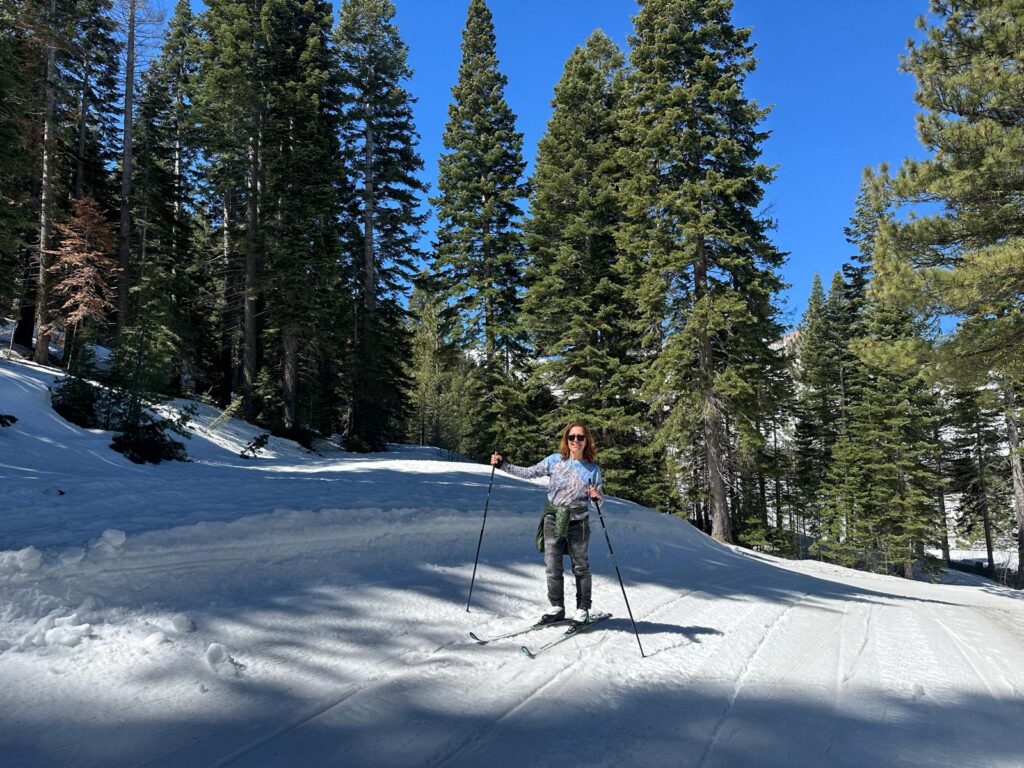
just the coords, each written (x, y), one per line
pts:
(42, 317)
(290, 344)
(941, 500)
(369, 212)
(721, 525)
(250, 359)
(983, 487)
(26, 308)
(83, 115)
(124, 239)
(229, 317)
(1013, 438)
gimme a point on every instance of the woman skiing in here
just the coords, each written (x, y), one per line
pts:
(575, 480)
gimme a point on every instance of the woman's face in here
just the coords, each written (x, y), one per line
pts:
(577, 439)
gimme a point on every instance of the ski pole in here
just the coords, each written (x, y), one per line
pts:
(481, 541)
(617, 573)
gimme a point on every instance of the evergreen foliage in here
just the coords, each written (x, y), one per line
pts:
(478, 257)
(967, 254)
(446, 387)
(20, 91)
(379, 151)
(576, 311)
(879, 508)
(299, 206)
(702, 270)
(170, 264)
(979, 470)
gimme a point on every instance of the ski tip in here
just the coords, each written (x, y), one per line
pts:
(527, 651)
(477, 639)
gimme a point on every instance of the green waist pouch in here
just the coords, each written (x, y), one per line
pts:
(561, 515)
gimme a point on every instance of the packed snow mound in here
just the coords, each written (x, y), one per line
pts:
(305, 609)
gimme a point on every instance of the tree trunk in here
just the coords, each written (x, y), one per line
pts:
(721, 525)
(42, 318)
(26, 308)
(290, 344)
(229, 317)
(83, 115)
(124, 239)
(778, 478)
(941, 500)
(983, 487)
(179, 184)
(369, 211)
(250, 361)
(1013, 438)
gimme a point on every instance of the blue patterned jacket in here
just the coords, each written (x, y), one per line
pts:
(569, 480)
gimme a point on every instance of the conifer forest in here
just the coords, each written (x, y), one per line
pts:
(231, 200)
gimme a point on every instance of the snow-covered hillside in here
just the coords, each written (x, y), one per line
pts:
(307, 610)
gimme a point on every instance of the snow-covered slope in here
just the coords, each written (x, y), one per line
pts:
(301, 610)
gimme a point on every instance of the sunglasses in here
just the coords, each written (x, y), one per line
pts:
(576, 438)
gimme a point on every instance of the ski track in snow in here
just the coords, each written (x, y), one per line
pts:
(309, 610)
(741, 679)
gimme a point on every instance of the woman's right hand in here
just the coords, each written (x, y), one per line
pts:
(495, 459)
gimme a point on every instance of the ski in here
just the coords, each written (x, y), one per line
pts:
(570, 632)
(531, 628)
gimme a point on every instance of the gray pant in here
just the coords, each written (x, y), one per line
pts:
(575, 545)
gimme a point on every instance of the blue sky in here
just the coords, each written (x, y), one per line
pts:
(830, 68)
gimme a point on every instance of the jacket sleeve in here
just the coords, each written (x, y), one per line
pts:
(539, 469)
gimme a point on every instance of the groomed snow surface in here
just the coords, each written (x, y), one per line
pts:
(306, 610)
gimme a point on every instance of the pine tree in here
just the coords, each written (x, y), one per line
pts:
(90, 69)
(20, 90)
(300, 161)
(432, 357)
(968, 252)
(231, 102)
(164, 204)
(979, 476)
(379, 140)
(479, 254)
(48, 180)
(817, 401)
(84, 268)
(879, 507)
(702, 268)
(575, 311)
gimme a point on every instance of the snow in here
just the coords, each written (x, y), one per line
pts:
(310, 609)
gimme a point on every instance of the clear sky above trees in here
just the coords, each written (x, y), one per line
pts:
(829, 68)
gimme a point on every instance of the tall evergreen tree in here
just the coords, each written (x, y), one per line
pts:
(575, 310)
(21, 74)
(969, 251)
(301, 170)
(479, 252)
(164, 205)
(817, 401)
(979, 476)
(879, 506)
(445, 389)
(48, 182)
(231, 101)
(702, 268)
(379, 140)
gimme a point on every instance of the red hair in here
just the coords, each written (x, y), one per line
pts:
(589, 449)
